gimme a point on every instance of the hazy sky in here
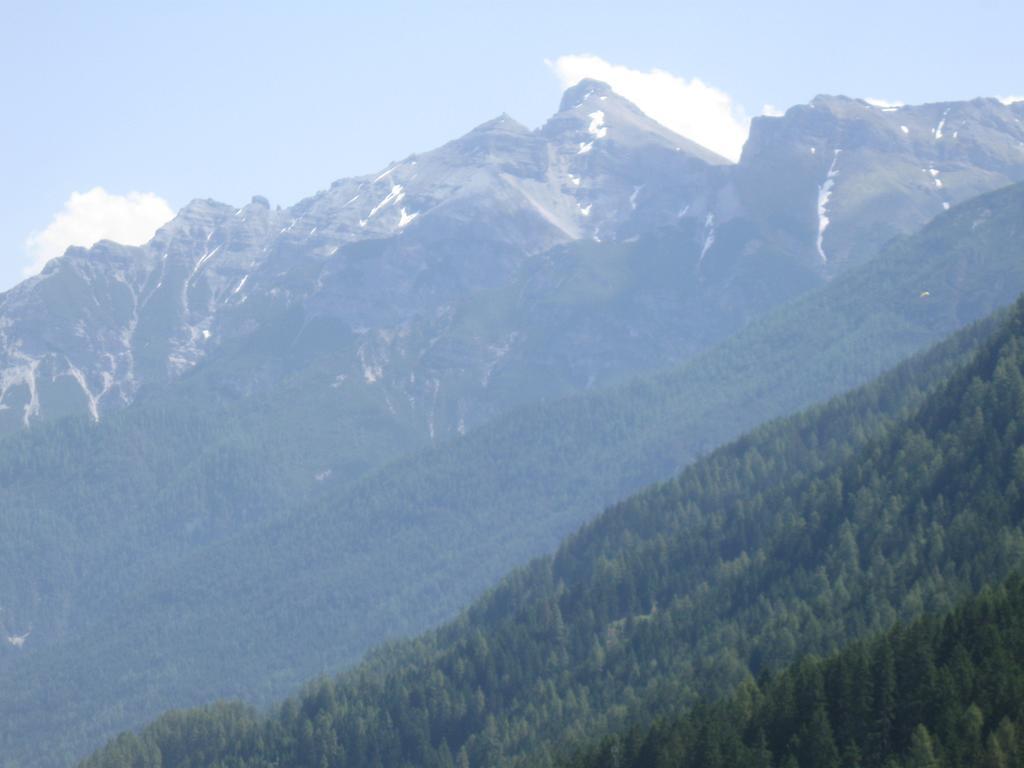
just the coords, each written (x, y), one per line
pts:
(116, 113)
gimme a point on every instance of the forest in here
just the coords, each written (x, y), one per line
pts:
(941, 691)
(898, 500)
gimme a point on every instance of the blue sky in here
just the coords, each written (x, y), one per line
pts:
(227, 100)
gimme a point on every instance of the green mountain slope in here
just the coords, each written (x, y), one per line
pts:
(83, 506)
(945, 691)
(810, 532)
(255, 613)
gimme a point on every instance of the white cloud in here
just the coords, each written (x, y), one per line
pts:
(88, 217)
(1008, 100)
(770, 110)
(692, 108)
(885, 103)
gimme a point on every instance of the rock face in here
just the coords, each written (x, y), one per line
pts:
(502, 267)
(847, 176)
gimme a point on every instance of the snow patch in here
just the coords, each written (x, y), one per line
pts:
(824, 195)
(201, 263)
(597, 128)
(585, 146)
(18, 641)
(709, 238)
(632, 198)
(406, 218)
(905, 130)
(585, 209)
(394, 196)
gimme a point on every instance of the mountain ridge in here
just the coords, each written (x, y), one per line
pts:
(815, 191)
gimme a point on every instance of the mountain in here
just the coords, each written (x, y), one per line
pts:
(256, 370)
(192, 542)
(360, 263)
(843, 177)
(813, 531)
(481, 276)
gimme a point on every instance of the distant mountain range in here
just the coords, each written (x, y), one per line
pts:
(505, 266)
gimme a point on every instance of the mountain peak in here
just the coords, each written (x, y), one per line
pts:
(591, 110)
(200, 209)
(832, 98)
(838, 104)
(503, 123)
(583, 90)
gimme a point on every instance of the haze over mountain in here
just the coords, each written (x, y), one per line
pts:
(282, 394)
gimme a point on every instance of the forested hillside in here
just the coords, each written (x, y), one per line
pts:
(803, 536)
(944, 691)
(254, 608)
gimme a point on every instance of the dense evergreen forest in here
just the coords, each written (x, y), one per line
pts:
(942, 692)
(894, 501)
(260, 568)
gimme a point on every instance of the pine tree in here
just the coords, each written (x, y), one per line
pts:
(817, 745)
(922, 752)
